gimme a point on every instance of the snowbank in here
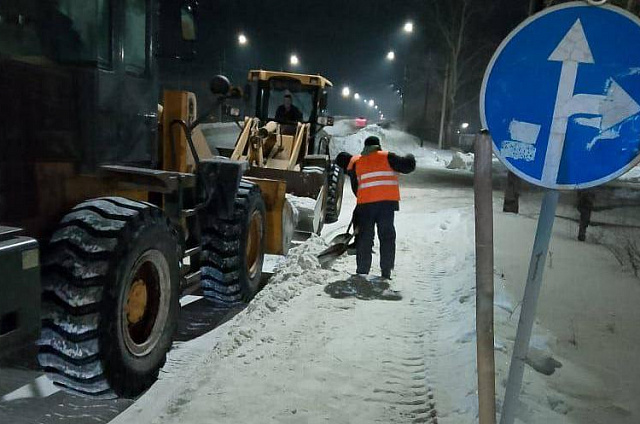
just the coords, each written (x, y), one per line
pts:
(462, 161)
(400, 142)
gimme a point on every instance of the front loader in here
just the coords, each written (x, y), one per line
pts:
(110, 206)
(295, 152)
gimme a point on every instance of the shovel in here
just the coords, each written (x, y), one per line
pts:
(339, 244)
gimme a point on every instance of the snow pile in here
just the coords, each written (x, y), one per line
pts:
(392, 139)
(462, 161)
(299, 270)
(632, 176)
(342, 128)
(399, 141)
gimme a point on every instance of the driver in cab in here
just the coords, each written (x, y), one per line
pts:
(287, 112)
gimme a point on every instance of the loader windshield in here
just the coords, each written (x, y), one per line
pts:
(304, 100)
(59, 31)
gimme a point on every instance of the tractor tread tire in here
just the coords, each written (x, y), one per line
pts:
(77, 268)
(223, 279)
(334, 194)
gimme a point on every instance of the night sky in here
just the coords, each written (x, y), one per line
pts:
(346, 41)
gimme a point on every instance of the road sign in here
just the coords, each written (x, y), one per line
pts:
(561, 96)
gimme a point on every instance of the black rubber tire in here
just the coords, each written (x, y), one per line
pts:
(85, 271)
(334, 194)
(226, 277)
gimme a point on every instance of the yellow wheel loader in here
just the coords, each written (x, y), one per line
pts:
(295, 152)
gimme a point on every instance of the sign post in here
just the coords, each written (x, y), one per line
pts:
(483, 201)
(561, 100)
(529, 304)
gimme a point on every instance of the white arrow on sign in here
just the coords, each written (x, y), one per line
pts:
(614, 108)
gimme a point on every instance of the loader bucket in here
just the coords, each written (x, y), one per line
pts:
(302, 185)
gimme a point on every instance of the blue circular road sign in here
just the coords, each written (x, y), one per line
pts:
(561, 96)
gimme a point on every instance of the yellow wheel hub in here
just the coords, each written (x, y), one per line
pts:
(136, 302)
(253, 243)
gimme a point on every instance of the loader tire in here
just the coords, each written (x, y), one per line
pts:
(110, 298)
(233, 250)
(334, 194)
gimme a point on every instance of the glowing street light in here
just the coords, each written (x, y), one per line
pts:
(391, 56)
(242, 39)
(356, 96)
(371, 103)
(408, 27)
(346, 92)
(293, 60)
(464, 125)
(376, 106)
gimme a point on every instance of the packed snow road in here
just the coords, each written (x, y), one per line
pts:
(298, 355)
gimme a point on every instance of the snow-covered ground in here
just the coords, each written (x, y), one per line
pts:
(297, 355)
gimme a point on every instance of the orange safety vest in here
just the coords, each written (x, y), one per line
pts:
(377, 181)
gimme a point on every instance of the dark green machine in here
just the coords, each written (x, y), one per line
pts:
(113, 189)
(20, 300)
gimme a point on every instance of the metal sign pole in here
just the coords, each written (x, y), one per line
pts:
(483, 192)
(529, 304)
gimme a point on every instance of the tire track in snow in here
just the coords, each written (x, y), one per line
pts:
(406, 387)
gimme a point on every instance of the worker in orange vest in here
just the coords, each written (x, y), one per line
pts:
(374, 175)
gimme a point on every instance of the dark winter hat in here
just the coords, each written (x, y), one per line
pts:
(372, 141)
(343, 159)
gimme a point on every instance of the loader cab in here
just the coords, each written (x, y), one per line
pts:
(79, 89)
(100, 54)
(308, 92)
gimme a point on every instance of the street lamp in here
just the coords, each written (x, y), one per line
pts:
(356, 96)
(371, 103)
(376, 106)
(464, 125)
(346, 92)
(408, 27)
(391, 56)
(242, 39)
(293, 60)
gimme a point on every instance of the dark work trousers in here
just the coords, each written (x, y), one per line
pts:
(370, 216)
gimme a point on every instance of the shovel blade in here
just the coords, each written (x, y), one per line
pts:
(341, 238)
(332, 253)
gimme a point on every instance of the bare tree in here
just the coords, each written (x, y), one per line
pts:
(464, 54)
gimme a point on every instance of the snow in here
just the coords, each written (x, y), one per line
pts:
(221, 135)
(462, 161)
(297, 355)
(633, 176)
